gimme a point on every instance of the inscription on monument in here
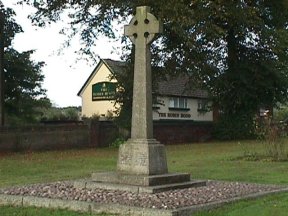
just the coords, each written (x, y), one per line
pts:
(125, 159)
(142, 159)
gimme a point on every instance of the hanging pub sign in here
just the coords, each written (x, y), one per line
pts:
(103, 91)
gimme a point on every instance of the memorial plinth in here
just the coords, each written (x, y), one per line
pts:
(142, 157)
(142, 164)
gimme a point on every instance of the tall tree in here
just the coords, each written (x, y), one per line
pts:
(23, 92)
(237, 49)
(2, 120)
(23, 86)
(253, 40)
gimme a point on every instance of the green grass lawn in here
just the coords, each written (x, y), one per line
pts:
(274, 205)
(204, 161)
(30, 211)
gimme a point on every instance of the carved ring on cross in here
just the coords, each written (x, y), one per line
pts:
(143, 26)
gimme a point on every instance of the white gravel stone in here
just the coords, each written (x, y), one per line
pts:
(214, 191)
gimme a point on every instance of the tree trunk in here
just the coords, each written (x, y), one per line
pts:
(2, 18)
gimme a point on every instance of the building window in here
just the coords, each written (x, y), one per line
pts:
(202, 105)
(178, 103)
(156, 103)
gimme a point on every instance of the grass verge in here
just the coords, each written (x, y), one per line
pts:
(273, 205)
(215, 160)
(30, 211)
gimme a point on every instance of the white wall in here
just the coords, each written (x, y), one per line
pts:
(192, 114)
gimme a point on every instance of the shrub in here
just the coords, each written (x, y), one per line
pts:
(234, 127)
(117, 142)
(272, 136)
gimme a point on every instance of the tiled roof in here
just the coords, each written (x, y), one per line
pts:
(115, 66)
(171, 87)
(179, 86)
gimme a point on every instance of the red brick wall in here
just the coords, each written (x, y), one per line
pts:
(96, 134)
(102, 133)
(44, 137)
(172, 132)
(167, 132)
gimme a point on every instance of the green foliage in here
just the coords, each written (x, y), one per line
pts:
(273, 139)
(95, 117)
(124, 95)
(65, 113)
(116, 143)
(90, 120)
(281, 113)
(23, 87)
(23, 79)
(235, 49)
(11, 28)
(234, 127)
(272, 136)
(72, 113)
(254, 73)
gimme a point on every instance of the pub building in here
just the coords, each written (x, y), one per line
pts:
(175, 101)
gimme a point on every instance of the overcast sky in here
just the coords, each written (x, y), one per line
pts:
(63, 75)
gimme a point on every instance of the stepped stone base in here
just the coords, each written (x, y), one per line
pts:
(141, 168)
(139, 183)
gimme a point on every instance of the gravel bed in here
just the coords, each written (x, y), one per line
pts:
(214, 191)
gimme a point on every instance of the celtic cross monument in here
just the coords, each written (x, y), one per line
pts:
(142, 154)
(142, 165)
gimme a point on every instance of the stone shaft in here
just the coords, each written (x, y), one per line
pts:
(141, 31)
(142, 123)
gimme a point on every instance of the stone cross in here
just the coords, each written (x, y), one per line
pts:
(141, 31)
(142, 155)
(142, 164)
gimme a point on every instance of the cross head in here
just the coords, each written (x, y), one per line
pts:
(143, 27)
